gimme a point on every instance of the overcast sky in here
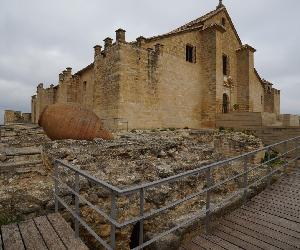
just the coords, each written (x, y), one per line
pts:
(40, 38)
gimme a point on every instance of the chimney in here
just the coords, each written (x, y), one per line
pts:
(40, 86)
(69, 71)
(120, 36)
(97, 50)
(61, 77)
(107, 43)
(141, 41)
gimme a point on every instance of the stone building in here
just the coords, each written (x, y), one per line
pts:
(12, 116)
(183, 78)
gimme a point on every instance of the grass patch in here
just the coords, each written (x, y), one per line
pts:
(6, 218)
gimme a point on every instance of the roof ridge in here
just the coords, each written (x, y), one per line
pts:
(190, 25)
(199, 19)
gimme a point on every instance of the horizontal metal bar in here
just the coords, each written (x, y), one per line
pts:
(159, 236)
(289, 151)
(265, 176)
(91, 231)
(215, 206)
(101, 212)
(90, 177)
(197, 170)
(135, 189)
(178, 202)
(171, 205)
(148, 215)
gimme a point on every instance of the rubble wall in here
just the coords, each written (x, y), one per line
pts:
(133, 158)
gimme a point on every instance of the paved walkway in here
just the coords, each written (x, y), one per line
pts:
(42, 233)
(271, 220)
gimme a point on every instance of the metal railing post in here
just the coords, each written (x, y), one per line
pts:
(269, 166)
(286, 157)
(113, 216)
(142, 200)
(56, 191)
(208, 196)
(297, 151)
(245, 178)
(77, 211)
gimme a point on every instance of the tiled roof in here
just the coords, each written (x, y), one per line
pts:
(197, 23)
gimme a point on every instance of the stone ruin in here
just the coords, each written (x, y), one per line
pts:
(26, 169)
(12, 116)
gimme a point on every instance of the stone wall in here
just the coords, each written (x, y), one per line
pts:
(271, 99)
(273, 135)
(26, 117)
(240, 120)
(150, 84)
(250, 120)
(107, 82)
(155, 91)
(289, 120)
(11, 116)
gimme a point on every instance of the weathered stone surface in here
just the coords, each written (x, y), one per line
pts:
(132, 158)
(151, 83)
(169, 242)
(3, 157)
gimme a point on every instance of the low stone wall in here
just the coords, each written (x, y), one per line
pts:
(26, 117)
(276, 134)
(270, 119)
(289, 120)
(266, 126)
(150, 155)
(240, 120)
(12, 116)
(254, 120)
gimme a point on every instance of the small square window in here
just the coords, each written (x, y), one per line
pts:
(190, 54)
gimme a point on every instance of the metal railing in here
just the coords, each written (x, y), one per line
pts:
(270, 165)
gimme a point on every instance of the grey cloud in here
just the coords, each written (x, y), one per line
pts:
(40, 38)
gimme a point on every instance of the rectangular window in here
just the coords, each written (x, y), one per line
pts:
(225, 65)
(190, 54)
(84, 86)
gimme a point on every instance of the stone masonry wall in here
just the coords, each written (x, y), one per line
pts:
(256, 94)
(150, 84)
(11, 116)
(155, 91)
(107, 83)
